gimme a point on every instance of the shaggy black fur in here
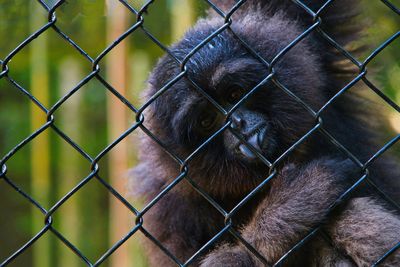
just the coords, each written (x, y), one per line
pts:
(309, 180)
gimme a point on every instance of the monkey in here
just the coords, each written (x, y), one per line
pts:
(220, 114)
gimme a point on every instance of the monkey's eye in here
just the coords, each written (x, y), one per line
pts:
(207, 121)
(235, 95)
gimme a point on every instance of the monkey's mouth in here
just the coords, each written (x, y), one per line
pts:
(255, 142)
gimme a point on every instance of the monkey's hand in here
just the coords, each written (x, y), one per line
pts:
(298, 201)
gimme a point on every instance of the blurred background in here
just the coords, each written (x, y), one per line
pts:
(47, 168)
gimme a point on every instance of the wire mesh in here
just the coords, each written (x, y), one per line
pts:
(138, 111)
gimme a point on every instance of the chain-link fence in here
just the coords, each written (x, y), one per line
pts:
(316, 26)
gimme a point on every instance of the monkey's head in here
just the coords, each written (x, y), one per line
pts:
(269, 121)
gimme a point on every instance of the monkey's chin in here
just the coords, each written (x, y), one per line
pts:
(244, 152)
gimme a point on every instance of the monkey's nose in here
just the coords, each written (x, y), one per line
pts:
(237, 122)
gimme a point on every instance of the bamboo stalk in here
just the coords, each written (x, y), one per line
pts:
(182, 17)
(40, 150)
(68, 169)
(140, 67)
(117, 124)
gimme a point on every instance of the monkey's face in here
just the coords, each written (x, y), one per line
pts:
(226, 101)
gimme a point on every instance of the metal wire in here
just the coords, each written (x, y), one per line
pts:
(139, 26)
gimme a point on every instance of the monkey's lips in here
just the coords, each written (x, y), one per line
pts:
(256, 140)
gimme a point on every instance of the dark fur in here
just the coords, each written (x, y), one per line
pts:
(311, 178)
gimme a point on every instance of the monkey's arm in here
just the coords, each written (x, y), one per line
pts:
(298, 200)
(365, 231)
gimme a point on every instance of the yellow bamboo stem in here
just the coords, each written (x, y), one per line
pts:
(40, 153)
(182, 17)
(68, 170)
(117, 124)
(140, 66)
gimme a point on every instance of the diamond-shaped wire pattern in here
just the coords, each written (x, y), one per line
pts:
(138, 112)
